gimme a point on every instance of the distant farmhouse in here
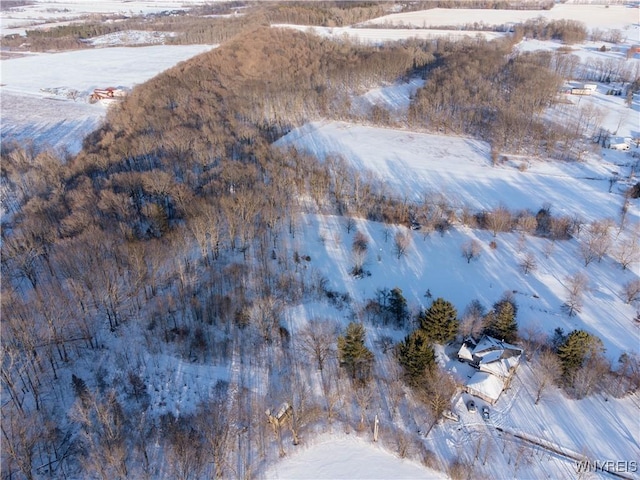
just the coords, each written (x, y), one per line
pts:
(496, 362)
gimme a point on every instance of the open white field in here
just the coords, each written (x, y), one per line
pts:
(435, 263)
(48, 13)
(334, 457)
(413, 164)
(598, 428)
(37, 90)
(622, 17)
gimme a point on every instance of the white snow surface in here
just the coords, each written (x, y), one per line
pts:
(35, 91)
(413, 164)
(336, 457)
(602, 16)
(47, 13)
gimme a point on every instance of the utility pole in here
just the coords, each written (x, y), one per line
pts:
(375, 428)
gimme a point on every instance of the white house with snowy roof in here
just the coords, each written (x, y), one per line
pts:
(496, 362)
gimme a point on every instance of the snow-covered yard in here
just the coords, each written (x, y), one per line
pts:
(347, 457)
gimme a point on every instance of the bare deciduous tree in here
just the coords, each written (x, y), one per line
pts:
(359, 249)
(471, 250)
(575, 285)
(585, 379)
(472, 318)
(184, 448)
(597, 241)
(533, 338)
(402, 242)
(104, 427)
(549, 248)
(528, 263)
(631, 290)
(265, 316)
(363, 394)
(331, 395)
(499, 220)
(20, 436)
(317, 339)
(437, 392)
(527, 223)
(627, 251)
(548, 370)
(460, 469)
(349, 224)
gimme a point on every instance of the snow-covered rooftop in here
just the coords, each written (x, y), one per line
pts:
(488, 385)
(501, 368)
(489, 344)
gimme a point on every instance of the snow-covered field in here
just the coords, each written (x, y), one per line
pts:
(602, 16)
(45, 97)
(36, 100)
(460, 168)
(335, 457)
(47, 13)
(596, 427)
(435, 263)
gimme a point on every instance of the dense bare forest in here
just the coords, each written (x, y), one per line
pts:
(106, 238)
(173, 218)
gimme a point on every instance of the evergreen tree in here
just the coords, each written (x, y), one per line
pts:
(501, 322)
(80, 389)
(558, 338)
(353, 353)
(577, 349)
(398, 307)
(416, 356)
(440, 321)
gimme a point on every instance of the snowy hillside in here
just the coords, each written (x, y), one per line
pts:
(415, 164)
(45, 100)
